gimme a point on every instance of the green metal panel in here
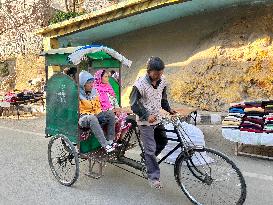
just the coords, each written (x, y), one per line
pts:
(57, 59)
(106, 63)
(62, 111)
(99, 55)
(62, 107)
(115, 86)
(89, 145)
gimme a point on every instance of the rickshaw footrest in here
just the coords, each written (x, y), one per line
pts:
(91, 173)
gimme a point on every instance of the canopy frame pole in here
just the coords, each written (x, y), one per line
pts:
(78, 84)
(119, 78)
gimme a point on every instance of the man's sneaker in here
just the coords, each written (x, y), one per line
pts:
(155, 184)
(109, 148)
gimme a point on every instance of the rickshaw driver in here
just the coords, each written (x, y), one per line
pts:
(91, 114)
(148, 96)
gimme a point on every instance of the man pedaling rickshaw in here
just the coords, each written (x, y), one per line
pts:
(148, 96)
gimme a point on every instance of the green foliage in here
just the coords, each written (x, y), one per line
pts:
(62, 16)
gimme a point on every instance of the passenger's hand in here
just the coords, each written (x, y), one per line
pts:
(151, 118)
(117, 111)
(173, 112)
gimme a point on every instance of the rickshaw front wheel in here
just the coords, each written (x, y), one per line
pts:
(63, 160)
(207, 176)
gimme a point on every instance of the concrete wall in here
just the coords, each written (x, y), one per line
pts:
(191, 47)
(175, 41)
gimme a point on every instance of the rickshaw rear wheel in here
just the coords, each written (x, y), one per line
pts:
(63, 160)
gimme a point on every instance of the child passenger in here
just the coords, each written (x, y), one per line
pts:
(92, 115)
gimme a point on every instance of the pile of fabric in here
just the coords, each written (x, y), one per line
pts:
(268, 125)
(235, 115)
(268, 118)
(268, 106)
(256, 127)
(9, 97)
(22, 97)
(253, 119)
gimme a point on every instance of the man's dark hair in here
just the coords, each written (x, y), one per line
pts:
(155, 63)
(112, 72)
(72, 71)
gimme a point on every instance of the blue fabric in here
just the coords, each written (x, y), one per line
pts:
(89, 46)
(83, 78)
(236, 110)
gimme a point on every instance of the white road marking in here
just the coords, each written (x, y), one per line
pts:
(22, 131)
(258, 176)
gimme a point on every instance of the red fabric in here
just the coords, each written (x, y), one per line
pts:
(256, 121)
(250, 130)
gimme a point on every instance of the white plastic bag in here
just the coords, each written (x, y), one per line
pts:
(194, 137)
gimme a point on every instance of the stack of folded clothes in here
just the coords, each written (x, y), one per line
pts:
(234, 118)
(268, 125)
(268, 118)
(231, 122)
(268, 106)
(253, 120)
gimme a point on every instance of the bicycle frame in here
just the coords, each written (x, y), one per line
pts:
(179, 139)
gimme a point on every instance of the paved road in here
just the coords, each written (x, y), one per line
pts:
(26, 178)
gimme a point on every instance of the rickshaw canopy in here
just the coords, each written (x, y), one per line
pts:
(100, 56)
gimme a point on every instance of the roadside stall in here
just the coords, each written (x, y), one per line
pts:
(250, 126)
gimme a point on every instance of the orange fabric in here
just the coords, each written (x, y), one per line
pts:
(90, 106)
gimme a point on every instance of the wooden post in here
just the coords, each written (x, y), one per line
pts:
(46, 72)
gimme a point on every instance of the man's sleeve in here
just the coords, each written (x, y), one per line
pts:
(164, 102)
(136, 106)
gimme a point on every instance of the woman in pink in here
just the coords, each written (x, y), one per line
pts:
(105, 91)
(108, 101)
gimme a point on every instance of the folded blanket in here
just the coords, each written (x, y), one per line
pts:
(236, 114)
(239, 104)
(254, 103)
(254, 120)
(233, 118)
(268, 123)
(236, 110)
(268, 102)
(251, 126)
(268, 128)
(252, 123)
(251, 130)
(231, 123)
(254, 109)
(253, 113)
(255, 117)
(268, 110)
(230, 126)
(269, 118)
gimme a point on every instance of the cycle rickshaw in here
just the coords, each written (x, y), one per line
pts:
(217, 181)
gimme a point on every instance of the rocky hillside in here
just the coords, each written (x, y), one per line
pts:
(18, 42)
(233, 64)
